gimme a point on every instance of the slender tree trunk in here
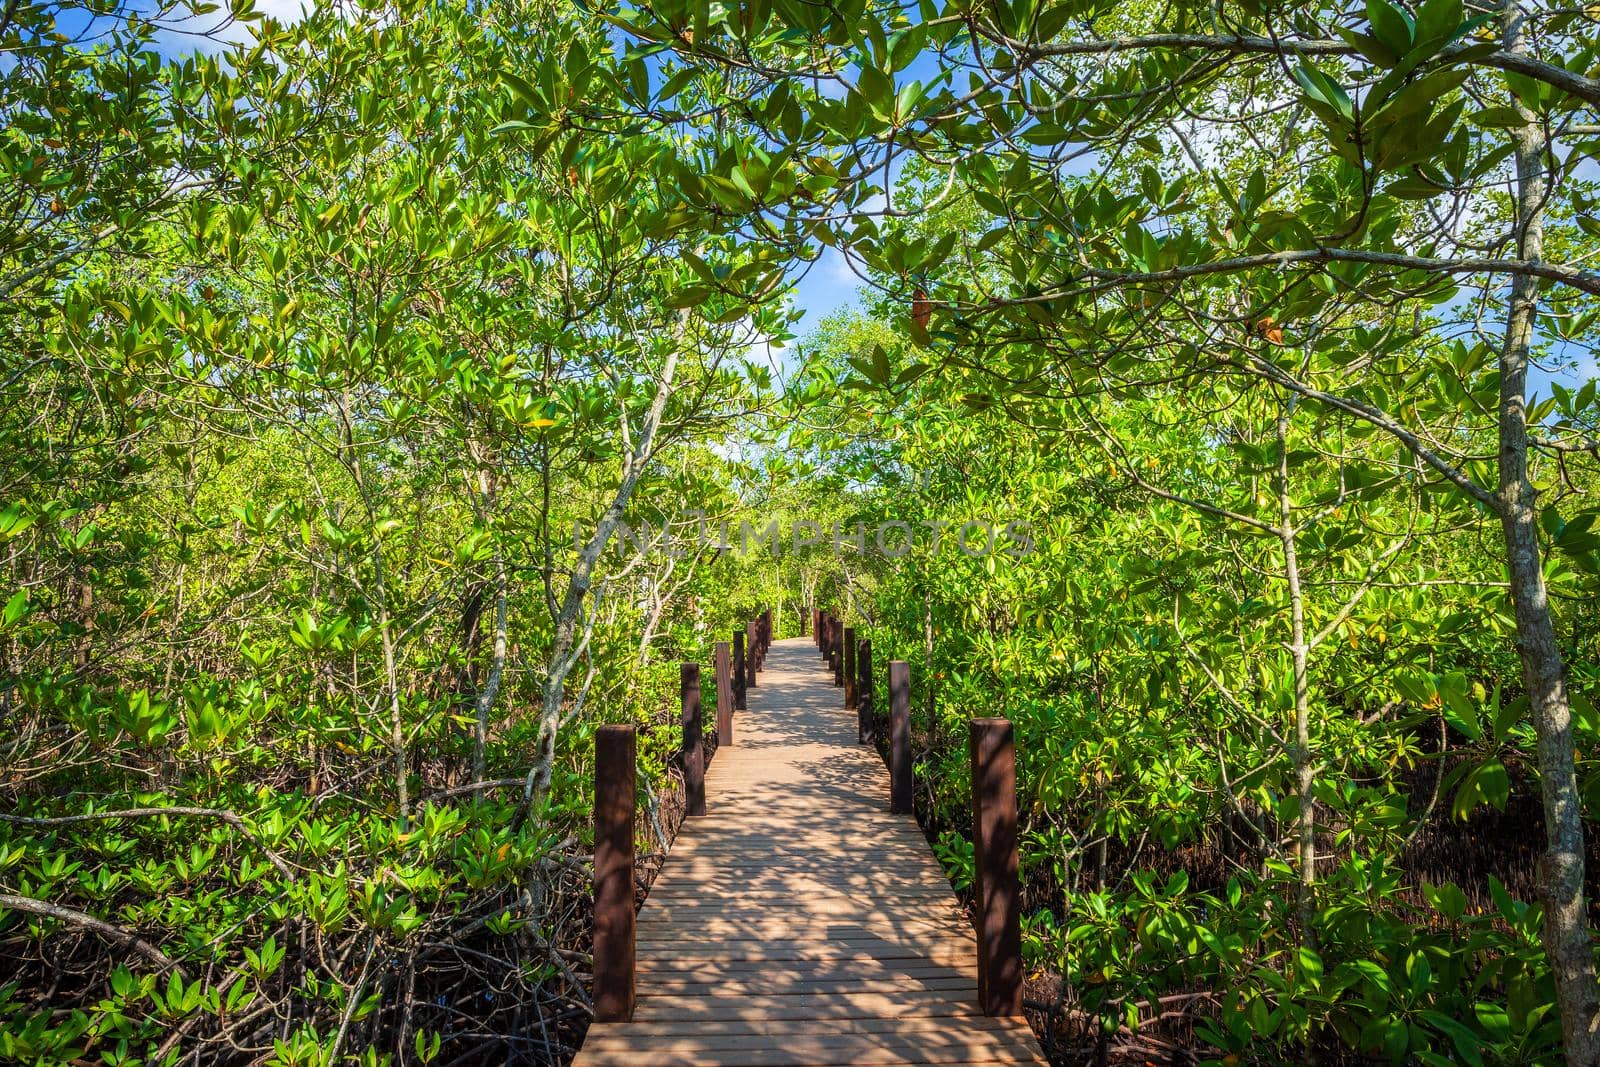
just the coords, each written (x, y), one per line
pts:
(1304, 768)
(564, 649)
(1567, 941)
(380, 596)
(490, 689)
(487, 478)
(391, 678)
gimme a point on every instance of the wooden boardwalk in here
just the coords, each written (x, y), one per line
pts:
(798, 924)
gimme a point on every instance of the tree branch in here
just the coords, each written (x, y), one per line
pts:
(89, 922)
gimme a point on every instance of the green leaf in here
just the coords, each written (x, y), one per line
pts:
(1391, 25)
(877, 88)
(1437, 22)
(1462, 1037)
(1374, 50)
(1487, 783)
(1498, 118)
(1324, 90)
(14, 520)
(15, 608)
(689, 296)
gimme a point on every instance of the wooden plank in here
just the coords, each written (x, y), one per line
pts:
(810, 1054)
(801, 951)
(847, 967)
(666, 1029)
(815, 1006)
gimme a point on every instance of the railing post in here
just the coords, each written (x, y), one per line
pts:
(864, 723)
(614, 800)
(836, 661)
(752, 659)
(724, 695)
(738, 670)
(900, 802)
(849, 667)
(694, 753)
(997, 884)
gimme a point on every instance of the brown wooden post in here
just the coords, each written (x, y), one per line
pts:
(694, 753)
(614, 799)
(724, 695)
(864, 724)
(997, 885)
(753, 656)
(738, 670)
(900, 802)
(849, 666)
(836, 661)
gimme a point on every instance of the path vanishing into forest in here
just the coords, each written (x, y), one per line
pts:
(799, 924)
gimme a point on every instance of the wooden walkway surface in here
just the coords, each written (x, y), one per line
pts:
(798, 924)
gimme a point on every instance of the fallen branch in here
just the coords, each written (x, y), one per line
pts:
(89, 922)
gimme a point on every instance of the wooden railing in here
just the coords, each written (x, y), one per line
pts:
(997, 890)
(616, 801)
(996, 885)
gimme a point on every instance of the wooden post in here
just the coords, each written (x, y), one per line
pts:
(694, 753)
(836, 661)
(864, 723)
(753, 656)
(724, 695)
(738, 671)
(849, 667)
(997, 885)
(900, 801)
(614, 799)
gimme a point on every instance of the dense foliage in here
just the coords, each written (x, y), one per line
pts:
(351, 364)
(327, 381)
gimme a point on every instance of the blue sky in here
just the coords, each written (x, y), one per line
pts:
(827, 286)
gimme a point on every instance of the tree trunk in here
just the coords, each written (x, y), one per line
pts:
(491, 683)
(564, 649)
(1566, 929)
(1304, 768)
